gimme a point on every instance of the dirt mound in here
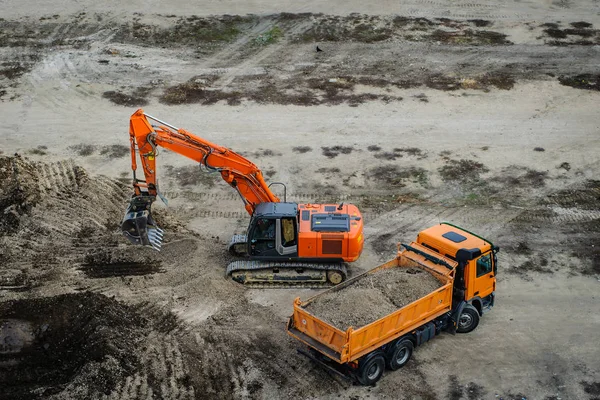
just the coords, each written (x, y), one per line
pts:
(373, 296)
(49, 342)
(19, 192)
(57, 215)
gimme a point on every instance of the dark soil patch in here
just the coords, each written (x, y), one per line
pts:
(441, 82)
(115, 151)
(565, 165)
(83, 150)
(334, 151)
(535, 265)
(13, 69)
(122, 99)
(382, 243)
(539, 149)
(470, 37)
(197, 91)
(91, 337)
(119, 269)
(386, 155)
(264, 153)
(555, 33)
(192, 30)
(499, 80)
(581, 24)
(329, 170)
(582, 81)
(549, 25)
(372, 296)
(523, 177)
(591, 388)
(191, 175)
(480, 23)
(104, 263)
(411, 151)
(395, 176)
(374, 148)
(463, 170)
(38, 151)
(301, 149)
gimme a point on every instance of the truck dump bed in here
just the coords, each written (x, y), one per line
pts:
(346, 343)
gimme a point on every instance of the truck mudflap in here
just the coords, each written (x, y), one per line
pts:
(341, 370)
(312, 343)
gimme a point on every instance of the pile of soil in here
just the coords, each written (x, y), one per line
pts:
(372, 297)
(54, 341)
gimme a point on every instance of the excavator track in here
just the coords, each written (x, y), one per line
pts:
(282, 274)
(237, 245)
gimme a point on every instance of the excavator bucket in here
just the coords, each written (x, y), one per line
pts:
(138, 225)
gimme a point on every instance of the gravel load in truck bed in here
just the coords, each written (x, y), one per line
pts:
(372, 297)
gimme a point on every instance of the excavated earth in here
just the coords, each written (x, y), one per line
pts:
(372, 297)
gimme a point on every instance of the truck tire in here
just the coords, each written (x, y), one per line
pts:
(398, 354)
(468, 319)
(370, 369)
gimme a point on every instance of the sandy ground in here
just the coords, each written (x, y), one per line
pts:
(490, 124)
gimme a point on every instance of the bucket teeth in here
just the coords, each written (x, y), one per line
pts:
(155, 237)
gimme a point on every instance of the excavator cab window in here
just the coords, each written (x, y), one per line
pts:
(265, 229)
(288, 232)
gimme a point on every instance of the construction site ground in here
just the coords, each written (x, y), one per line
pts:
(481, 114)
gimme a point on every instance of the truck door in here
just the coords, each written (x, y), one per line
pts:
(481, 276)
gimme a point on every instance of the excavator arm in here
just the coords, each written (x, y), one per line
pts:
(145, 139)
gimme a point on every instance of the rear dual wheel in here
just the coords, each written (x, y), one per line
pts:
(370, 368)
(398, 354)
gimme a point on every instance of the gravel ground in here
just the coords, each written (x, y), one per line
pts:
(372, 297)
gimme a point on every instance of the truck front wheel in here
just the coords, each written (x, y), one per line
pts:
(370, 369)
(399, 354)
(468, 320)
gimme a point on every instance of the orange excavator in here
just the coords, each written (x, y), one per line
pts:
(285, 243)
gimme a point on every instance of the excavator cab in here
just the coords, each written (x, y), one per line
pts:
(138, 225)
(272, 233)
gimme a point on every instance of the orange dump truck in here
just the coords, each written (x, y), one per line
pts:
(462, 262)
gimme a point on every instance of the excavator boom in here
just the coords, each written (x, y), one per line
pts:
(145, 138)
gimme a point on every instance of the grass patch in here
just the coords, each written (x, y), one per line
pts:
(82, 149)
(522, 177)
(470, 37)
(127, 100)
(192, 175)
(301, 149)
(582, 81)
(38, 151)
(581, 24)
(115, 151)
(332, 152)
(196, 91)
(269, 37)
(395, 176)
(463, 170)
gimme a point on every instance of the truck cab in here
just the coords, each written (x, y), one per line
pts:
(475, 276)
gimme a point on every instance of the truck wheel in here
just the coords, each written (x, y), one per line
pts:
(468, 320)
(370, 369)
(399, 354)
